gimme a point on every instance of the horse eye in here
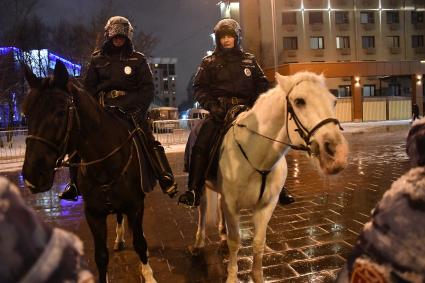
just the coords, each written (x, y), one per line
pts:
(299, 102)
(335, 103)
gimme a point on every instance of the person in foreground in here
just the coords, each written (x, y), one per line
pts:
(30, 250)
(391, 246)
(227, 78)
(120, 77)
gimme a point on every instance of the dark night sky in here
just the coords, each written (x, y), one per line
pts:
(182, 26)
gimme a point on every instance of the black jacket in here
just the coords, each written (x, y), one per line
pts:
(235, 74)
(129, 73)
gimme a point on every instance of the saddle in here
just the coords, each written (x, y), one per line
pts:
(146, 172)
(214, 154)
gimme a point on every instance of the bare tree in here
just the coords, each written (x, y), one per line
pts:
(145, 42)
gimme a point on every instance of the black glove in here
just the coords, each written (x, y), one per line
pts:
(217, 112)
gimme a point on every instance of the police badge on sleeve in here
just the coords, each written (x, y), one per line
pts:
(128, 70)
(247, 72)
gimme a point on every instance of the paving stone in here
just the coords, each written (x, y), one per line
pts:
(307, 241)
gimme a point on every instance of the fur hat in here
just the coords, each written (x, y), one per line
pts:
(118, 25)
(228, 27)
(31, 251)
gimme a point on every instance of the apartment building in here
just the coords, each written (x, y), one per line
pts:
(369, 50)
(164, 77)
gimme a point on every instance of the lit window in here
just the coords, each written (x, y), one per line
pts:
(317, 42)
(342, 42)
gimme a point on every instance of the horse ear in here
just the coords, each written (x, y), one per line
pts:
(284, 82)
(32, 79)
(60, 75)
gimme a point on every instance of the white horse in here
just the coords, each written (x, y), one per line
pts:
(298, 113)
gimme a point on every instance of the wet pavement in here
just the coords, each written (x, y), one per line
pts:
(308, 240)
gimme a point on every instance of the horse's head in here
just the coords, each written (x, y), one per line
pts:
(49, 109)
(311, 120)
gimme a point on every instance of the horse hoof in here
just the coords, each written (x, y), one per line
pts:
(119, 246)
(195, 251)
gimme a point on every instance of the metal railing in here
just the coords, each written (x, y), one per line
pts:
(168, 132)
(12, 145)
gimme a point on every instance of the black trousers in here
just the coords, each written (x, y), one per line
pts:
(207, 136)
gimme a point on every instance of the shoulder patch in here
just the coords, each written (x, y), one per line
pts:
(139, 54)
(208, 59)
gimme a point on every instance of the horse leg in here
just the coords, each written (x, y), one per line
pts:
(260, 219)
(97, 226)
(222, 231)
(135, 220)
(119, 244)
(233, 241)
(200, 233)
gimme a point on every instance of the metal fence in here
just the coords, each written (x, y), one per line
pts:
(168, 132)
(12, 145)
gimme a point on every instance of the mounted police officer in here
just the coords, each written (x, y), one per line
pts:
(226, 78)
(120, 77)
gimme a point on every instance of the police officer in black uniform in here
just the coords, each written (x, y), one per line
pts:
(118, 76)
(226, 78)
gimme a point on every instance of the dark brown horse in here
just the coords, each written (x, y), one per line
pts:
(62, 119)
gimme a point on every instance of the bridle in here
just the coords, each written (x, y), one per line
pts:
(302, 131)
(61, 149)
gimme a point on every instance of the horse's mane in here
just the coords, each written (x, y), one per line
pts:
(74, 86)
(291, 81)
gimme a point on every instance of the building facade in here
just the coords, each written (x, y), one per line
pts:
(369, 50)
(165, 79)
(12, 82)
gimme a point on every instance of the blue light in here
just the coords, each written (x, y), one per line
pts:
(5, 50)
(74, 69)
(48, 60)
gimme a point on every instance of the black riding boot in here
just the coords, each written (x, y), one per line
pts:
(164, 174)
(285, 197)
(71, 192)
(198, 165)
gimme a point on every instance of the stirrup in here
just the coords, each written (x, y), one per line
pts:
(185, 202)
(70, 193)
(172, 190)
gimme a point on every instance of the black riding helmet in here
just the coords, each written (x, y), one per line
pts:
(228, 27)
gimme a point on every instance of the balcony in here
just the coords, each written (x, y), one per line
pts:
(395, 50)
(344, 51)
(369, 51)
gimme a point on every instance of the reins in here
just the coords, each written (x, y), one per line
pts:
(302, 131)
(115, 150)
(63, 147)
